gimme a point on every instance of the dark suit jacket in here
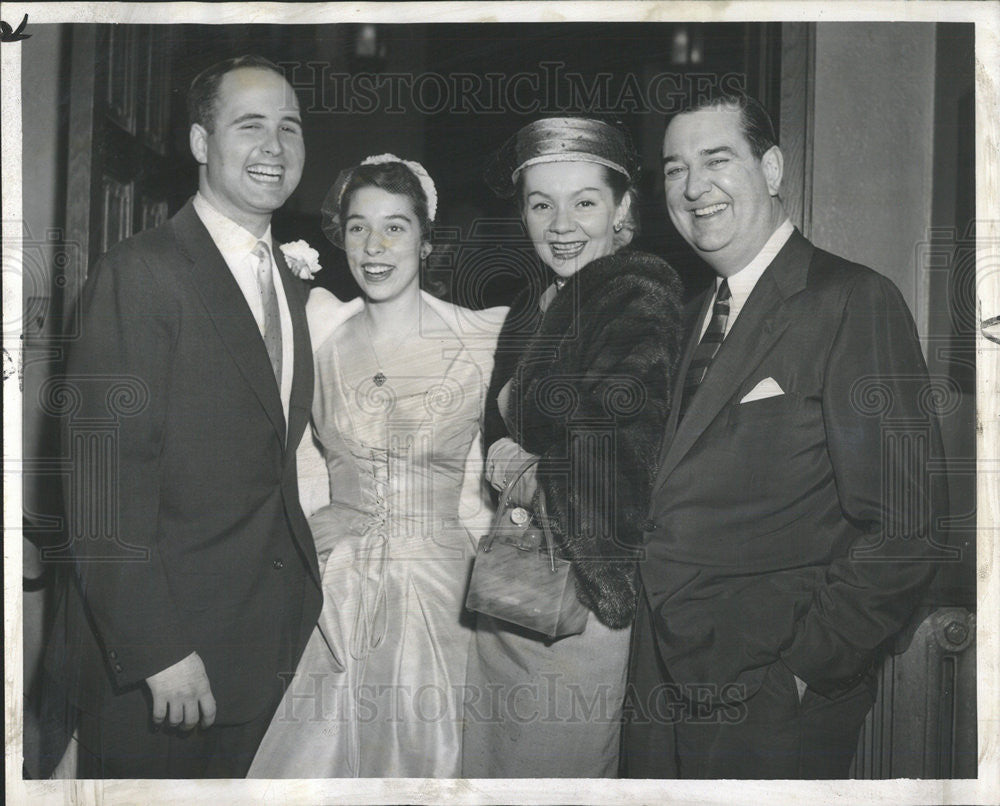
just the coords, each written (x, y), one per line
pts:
(221, 560)
(798, 528)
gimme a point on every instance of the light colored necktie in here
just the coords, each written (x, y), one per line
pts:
(709, 345)
(272, 318)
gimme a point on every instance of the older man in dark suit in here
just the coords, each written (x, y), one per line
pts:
(175, 631)
(792, 522)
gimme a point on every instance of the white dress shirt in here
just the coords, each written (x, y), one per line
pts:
(236, 245)
(743, 282)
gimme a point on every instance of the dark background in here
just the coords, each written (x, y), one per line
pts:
(454, 146)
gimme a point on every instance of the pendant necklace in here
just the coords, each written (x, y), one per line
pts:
(379, 378)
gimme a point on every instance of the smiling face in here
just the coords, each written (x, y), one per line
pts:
(569, 210)
(383, 243)
(252, 159)
(722, 199)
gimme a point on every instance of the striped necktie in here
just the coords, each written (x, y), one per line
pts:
(269, 297)
(709, 345)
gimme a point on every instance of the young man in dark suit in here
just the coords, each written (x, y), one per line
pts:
(178, 624)
(792, 523)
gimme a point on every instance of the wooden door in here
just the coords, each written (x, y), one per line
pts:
(121, 169)
(122, 157)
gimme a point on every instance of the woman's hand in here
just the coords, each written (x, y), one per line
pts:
(504, 459)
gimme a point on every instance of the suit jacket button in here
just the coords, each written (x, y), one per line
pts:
(118, 667)
(113, 654)
(278, 564)
(649, 526)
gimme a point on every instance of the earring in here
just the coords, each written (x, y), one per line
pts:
(618, 226)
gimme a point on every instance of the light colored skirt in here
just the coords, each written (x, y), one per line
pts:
(535, 709)
(378, 691)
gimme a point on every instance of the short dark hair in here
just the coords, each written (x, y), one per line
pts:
(204, 92)
(392, 177)
(754, 120)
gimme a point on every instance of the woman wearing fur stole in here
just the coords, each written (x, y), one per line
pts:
(582, 380)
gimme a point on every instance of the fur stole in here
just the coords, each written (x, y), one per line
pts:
(592, 392)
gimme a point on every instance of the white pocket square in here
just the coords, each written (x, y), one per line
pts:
(766, 388)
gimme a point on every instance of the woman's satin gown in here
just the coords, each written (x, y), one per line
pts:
(379, 689)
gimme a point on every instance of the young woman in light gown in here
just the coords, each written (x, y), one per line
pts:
(400, 386)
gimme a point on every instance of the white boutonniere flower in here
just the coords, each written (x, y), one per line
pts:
(301, 258)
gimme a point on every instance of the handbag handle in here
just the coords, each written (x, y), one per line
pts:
(542, 515)
(509, 489)
(505, 498)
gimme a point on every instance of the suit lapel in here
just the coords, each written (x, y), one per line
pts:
(758, 327)
(300, 401)
(694, 314)
(229, 312)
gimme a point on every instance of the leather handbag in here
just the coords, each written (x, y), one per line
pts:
(517, 576)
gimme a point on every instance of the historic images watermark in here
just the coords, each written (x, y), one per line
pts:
(549, 90)
(549, 699)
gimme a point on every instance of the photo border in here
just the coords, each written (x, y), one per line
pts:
(984, 789)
